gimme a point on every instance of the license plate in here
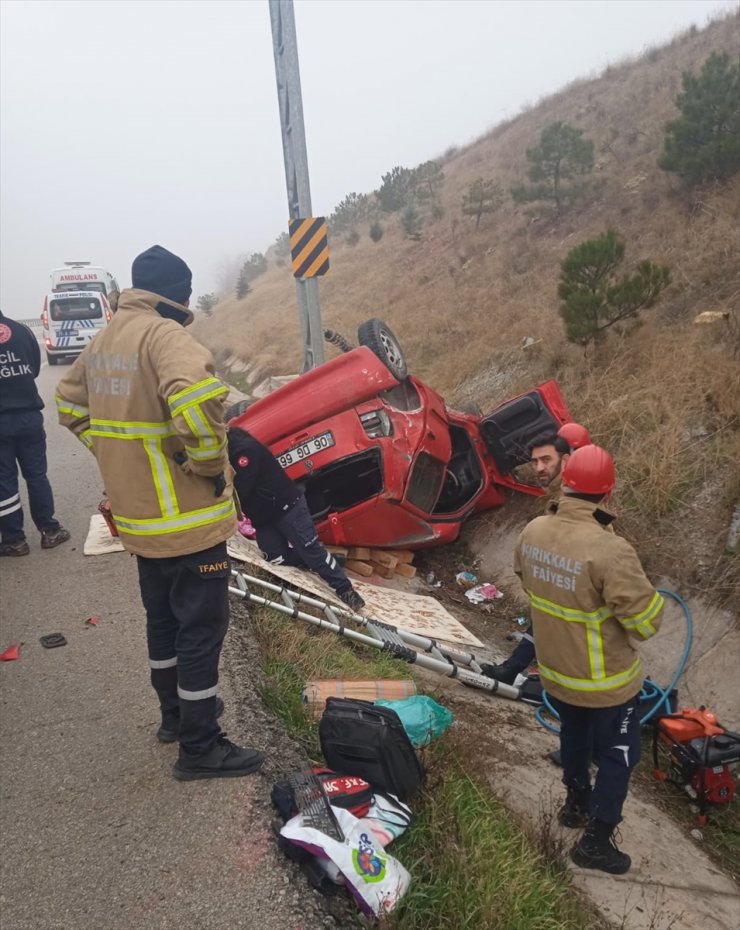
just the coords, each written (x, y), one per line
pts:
(306, 449)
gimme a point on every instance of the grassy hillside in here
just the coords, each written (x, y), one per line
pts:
(664, 397)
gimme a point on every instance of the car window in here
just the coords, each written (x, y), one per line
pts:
(76, 308)
(425, 482)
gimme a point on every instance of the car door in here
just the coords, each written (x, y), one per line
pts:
(509, 431)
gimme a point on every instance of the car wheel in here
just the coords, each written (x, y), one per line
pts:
(52, 359)
(237, 409)
(378, 336)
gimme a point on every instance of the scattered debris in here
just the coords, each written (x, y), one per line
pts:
(466, 579)
(52, 640)
(482, 593)
(11, 653)
(92, 621)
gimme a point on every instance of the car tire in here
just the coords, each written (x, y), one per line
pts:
(237, 409)
(52, 359)
(379, 338)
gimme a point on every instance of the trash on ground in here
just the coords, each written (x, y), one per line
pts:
(422, 717)
(466, 579)
(318, 690)
(11, 653)
(482, 593)
(52, 640)
(92, 621)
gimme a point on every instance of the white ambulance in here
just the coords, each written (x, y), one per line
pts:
(84, 276)
(70, 319)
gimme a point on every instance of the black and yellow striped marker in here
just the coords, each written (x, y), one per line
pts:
(309, 246)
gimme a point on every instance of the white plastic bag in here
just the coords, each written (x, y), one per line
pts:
(377, 880)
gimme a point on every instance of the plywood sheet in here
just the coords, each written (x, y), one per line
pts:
(416, 613)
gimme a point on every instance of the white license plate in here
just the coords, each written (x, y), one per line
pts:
(306, 449)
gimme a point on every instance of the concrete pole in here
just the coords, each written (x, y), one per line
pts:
(287, 73)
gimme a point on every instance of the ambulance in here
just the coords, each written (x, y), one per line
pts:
(70, 319)
(84, 276)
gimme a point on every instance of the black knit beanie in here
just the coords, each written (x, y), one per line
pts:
(163, 273)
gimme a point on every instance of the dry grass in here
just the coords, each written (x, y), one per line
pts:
(663, 397)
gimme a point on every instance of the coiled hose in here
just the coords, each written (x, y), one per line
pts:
(650, 691)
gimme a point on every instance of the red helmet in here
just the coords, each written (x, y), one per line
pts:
(575, 435)
(589, 470)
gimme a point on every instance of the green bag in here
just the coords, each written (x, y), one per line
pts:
(423, 719)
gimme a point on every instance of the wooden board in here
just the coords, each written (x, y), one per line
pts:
(361, 553)
(405, 571)
(359, 568)
(403, 555)
(383, 570)
(383, 558)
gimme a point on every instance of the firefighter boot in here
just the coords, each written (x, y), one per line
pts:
(504, 673)
(222, 760)
(597, 850)
(352, 599)
(575, 811)
(167, 733)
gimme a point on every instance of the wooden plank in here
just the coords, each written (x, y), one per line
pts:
(361, 553)
(381, 570)
(360, 568)
(338, 550)
(405, 571)
(383, 558)
(403, 555)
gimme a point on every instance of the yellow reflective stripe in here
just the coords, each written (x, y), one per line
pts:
(74, 410)
(204, 455)
(122, 429)
(642, 623)
(607, 683)
(202, 391)
(85, 438)
(199, 425)
(162, 478)
(595, 644)
(185, 521)
(568, 613)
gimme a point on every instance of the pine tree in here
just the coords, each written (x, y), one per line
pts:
(482, 196)
(561, 154)
(703, 144)
(396, 189)
(594, 298)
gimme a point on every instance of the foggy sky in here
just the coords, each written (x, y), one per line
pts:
(126, 124)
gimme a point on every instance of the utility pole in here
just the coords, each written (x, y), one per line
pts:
(287, 73)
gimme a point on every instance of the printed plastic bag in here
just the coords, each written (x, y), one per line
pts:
(423, 719)
(377, 880)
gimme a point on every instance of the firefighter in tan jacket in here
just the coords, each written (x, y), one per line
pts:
(144, 399)
(591, 607)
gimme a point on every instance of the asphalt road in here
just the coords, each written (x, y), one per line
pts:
(96, 832)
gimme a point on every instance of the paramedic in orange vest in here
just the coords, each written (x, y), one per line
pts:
(591, 607)
(144, 399)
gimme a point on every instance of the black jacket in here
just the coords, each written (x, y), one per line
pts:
(20, 363)
(265, 492)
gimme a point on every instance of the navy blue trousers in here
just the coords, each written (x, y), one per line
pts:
(611, 736)
(296, 527)
(186, 599)
(23, 443)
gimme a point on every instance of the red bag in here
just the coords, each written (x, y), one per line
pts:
(347, 791)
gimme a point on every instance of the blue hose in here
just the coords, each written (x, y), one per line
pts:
(650, 690)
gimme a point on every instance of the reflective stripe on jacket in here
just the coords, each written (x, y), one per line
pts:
(141, 394)
(591, 605)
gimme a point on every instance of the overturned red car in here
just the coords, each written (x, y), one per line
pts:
(383, 460)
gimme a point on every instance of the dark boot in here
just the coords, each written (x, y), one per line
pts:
(19, 547)
(597, 850)
(222, 760)
(352, 599)
(167, 733)
(50, 539)
(503, 673)
(575, 811)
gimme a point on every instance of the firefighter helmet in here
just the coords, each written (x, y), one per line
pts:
(589, 470)
(575, 435)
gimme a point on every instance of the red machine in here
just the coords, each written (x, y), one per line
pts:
(699, 754)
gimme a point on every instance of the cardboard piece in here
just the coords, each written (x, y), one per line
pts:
(416, 613)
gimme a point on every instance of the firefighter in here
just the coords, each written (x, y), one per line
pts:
(143, 398)
(23, 442)
(547, 456)
(591, 606)
(277, 508)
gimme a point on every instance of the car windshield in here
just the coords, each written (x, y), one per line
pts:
(88, 286)
(76, 308)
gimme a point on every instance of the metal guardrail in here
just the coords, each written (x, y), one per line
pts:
(34, 323)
